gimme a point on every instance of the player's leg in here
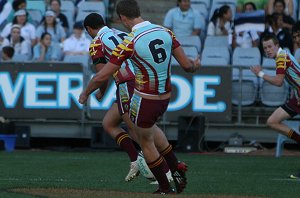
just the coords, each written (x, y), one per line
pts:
(144, 113)
(177, 168)
(275, 122)
(111, 123)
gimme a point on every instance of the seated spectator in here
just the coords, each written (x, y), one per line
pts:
(249, 7)
(183, 20)
(283, 35)
(15, 40)
(45, 50)
(77, 43)
(51, 26)
(259, 4)
(5, 9)
(288, 7)
(220, 23)
(248, 38)
(27, 29)
(296, 36)
(55, 6)
(7, 53)
(16, 5)
(279, 7)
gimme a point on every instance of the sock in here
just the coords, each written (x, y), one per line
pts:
(157, 168)
(170, 157)
(295, 136)
(125, 142)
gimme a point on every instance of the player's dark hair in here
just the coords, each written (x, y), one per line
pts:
(128, 8)
(296, 27)
(219, 12)
(9, 51)
(272, 37)
(94, 21)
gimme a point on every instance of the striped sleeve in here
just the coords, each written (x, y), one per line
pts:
(123, 51)
(175, 42)
(283, 61)
(96, 52)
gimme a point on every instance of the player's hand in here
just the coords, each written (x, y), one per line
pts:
(196, 64)
(99, 95)
(256, 69)
(83, 98)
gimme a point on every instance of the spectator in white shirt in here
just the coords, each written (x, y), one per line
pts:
(15, 40)
(5, 9)
(77, 43)
(27, 29)
(220, 23)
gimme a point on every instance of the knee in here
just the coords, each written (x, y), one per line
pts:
(107, 126)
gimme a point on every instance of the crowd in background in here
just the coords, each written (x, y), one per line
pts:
(52, 38)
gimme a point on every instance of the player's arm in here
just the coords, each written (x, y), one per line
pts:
(100, 93)
(98, 80)
(274, 80)
(187, 64)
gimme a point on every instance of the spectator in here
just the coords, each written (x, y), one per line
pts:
(5, 9)
(7, 53)
(45, 50)
(15, 40)
(16, 5)
(249, 7)
(183, 20)
(283, 35)
(279, 7)
(259, 4)
(296, 36)
(27, 29)
(287, 9)
(220, 23)
(55, 6)
(77, 43)
(51, 26)
(249, 38)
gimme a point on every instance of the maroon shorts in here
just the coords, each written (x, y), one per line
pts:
(123, 94)
(291, 107)
(144, 112)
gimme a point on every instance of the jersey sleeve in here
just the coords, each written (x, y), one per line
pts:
(282, 62)
(175, 42)
(123, 51)
(96, 52)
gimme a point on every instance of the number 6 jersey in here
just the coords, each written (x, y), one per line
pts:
(149, 48)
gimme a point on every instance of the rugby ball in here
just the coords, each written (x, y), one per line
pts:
(143, 167)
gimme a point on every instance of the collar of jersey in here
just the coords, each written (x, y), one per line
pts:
(279, 50)
(139, 25)
(103, 29)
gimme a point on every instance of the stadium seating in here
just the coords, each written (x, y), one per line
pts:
(246, 57)
(201, 9)
(207, 3)
(244, 91)
(272, 95)
(68, 9)
(36, 5)
(36, 16)
(190, 41)
(87, 7)
(215, 56)
(216, 41)
(21, 58)
(268, 62)
(83, 59)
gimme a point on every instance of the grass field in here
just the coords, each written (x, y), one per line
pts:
(38, 173)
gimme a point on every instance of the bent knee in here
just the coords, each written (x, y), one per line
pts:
(271, 122)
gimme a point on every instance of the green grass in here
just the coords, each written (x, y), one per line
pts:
(232, 175)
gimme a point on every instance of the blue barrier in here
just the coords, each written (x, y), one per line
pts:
(9, 142)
